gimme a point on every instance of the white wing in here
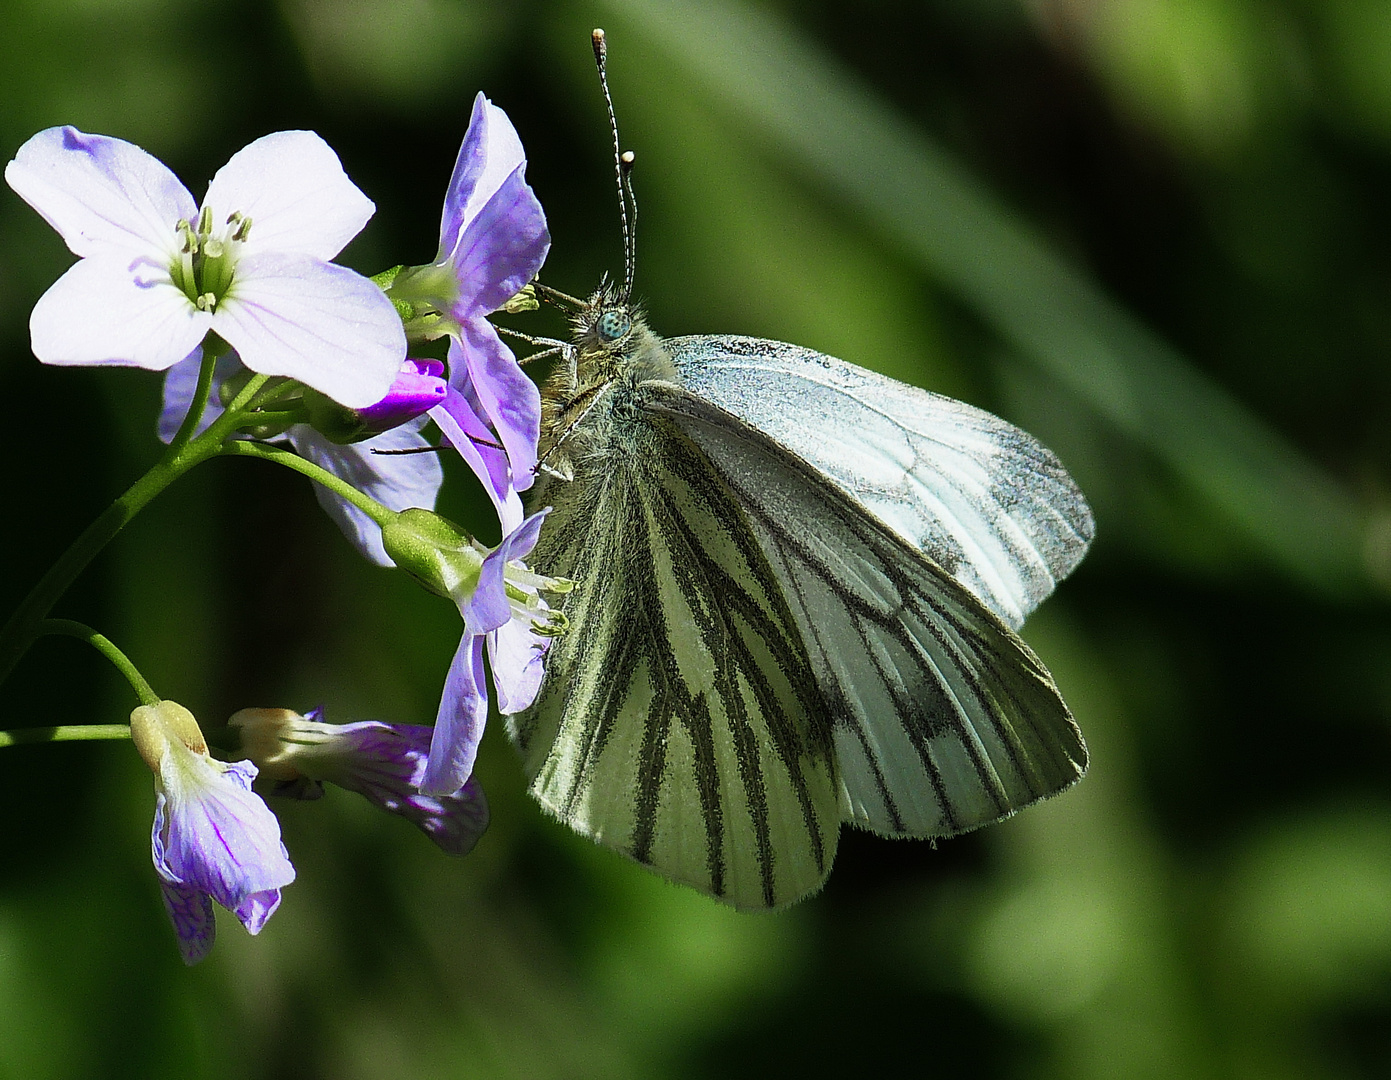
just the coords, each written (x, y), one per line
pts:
(984, 500)
(942, 719)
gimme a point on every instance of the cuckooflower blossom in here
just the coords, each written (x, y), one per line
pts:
(500, 601)
(157, 272)
(383, 762)
(213, 838)
(493, 240)
(397, 481)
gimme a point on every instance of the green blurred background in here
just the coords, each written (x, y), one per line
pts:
(1156, 233)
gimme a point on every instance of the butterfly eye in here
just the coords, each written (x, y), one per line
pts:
(613, 325)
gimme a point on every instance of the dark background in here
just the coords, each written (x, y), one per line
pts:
(1156, 233)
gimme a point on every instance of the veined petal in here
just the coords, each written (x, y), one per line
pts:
(104, 310)
(104, 196)
(191, 912)
(325, 325)
(397, 481)
(500, 249)
(470, 435)
(490, 152)
(459, 725)
(293, 188)
(213, 834)
(517, 656)
(511, 402)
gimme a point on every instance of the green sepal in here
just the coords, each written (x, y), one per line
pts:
(336, 422)
(386, 277)
(438, 554)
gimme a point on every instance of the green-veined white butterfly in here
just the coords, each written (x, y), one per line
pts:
(797, 586)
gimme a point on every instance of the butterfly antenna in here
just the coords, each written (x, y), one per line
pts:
(630, 257)
(621, 168)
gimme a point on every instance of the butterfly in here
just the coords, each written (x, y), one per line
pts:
(797, 590)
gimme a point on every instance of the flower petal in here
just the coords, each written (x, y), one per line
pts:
(419, 386)
(181, 380)
(102, 195)
(500, 250)
(490, 152)
(325, 325)
(397, 481)
(459, 725)
(385, 763)
(511, 402)
(191, 912)
(213, 834)
(104, 310)
(293, 188)
(469, 434)
(487, 607)
(517, 656)
(256, 908)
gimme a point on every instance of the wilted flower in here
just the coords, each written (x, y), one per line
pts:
(213, 838)
(500, 601)
(383, 762)
(397, 481)
(157, 272)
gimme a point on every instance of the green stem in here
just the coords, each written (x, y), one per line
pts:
(23, 626)
(199, 403)
(66, 733)
(108, 649)
(369, 506)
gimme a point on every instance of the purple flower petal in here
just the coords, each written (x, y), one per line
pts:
(191, 912)
(109, 310)
(213, 834)
(476, 443)
(397, 481)
(490, 152)
(500, 250)
(419, 386)
(516, 655)
(331, 328)
(459, 726)
(487, 607)
(386, 764)
(104, 196)
(511, 402)
(293, 188)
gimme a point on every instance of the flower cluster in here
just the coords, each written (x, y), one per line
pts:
(236, 299)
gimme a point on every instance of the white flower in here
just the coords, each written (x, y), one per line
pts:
(158, 272)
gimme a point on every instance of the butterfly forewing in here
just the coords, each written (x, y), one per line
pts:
(943, 719)
(680, 720)
(985, 501)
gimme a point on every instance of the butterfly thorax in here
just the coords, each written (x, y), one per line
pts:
(613, 351)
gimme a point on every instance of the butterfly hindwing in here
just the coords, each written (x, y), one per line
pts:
(679, 721)
(943, 719)
(985, 501)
